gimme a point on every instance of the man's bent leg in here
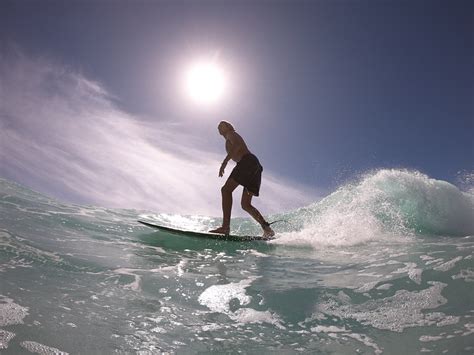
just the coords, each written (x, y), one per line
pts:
(247, 206)
(226, 191)
(246, 203)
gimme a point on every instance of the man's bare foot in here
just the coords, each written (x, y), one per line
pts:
(221, 230)
(268, 232)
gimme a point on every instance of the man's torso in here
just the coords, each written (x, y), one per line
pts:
(236, 155)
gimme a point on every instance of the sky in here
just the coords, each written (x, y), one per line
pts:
(92, 108)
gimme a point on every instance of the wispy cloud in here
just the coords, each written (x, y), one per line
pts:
(63, 135)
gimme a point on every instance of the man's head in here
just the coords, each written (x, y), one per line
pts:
(224, 127)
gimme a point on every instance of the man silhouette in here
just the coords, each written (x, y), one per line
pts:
(247, 172)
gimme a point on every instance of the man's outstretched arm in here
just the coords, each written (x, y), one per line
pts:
(223, 165)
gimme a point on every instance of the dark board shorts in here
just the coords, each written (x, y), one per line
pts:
(248, 173)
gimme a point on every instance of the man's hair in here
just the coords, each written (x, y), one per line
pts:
(228, 124)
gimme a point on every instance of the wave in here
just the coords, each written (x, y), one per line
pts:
(383, 204)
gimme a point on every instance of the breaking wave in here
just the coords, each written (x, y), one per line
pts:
(383, 204)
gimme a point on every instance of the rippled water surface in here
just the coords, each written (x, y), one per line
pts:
(384, 265)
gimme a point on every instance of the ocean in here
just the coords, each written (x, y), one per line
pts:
(383, 265)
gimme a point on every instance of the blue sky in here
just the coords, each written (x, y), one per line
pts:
(321, 90)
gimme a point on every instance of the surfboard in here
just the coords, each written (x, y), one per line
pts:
(180, 232)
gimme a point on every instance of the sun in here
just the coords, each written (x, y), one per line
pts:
(206, 82)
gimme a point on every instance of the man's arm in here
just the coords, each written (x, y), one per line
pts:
(226, 160)
(223, 165)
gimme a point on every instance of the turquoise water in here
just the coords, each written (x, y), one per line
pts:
(382, 265)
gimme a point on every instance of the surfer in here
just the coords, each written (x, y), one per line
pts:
(247, 172)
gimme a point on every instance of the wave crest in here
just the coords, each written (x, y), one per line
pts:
(385, 203)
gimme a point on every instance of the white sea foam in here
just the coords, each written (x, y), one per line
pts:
(413, 272)
(5, 338)
(334, 332)
(426, 338)
(41, 349)
(404, 309)
(367, 341)
(217, 297)
(135, 284)
(329, 329)
(250, 315)
(448, 265)
(367, 286)
(10, 312)
(467, 275)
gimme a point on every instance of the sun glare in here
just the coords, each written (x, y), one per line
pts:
(205, 83)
